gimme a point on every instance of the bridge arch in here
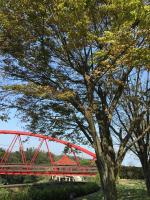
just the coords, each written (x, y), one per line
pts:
(69, 144)
(30, 168)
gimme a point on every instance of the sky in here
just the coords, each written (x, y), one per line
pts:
(15, 124)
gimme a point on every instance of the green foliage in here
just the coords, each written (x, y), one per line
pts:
(51, 192)
(4, 194)
(30, 179)
(97, 179)
(72, 45)
(3, 117)
(131, 172)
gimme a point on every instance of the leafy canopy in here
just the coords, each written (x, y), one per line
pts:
(71, 60)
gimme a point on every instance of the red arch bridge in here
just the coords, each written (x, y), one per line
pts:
(65, 166)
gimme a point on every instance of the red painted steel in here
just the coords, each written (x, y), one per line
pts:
(48, 170)
(49, 153)
(29, 168)
(48, 173)
(7, 153)
(49, 138)
(22, 151)
(76, 158)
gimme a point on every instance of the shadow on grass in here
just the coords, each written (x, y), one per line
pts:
(127, 191)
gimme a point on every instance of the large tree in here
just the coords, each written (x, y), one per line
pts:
(68, 62)
(133, 115)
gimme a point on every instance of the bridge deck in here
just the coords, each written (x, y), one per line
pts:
(13, 169)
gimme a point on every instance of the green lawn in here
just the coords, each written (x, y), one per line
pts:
(127, 190)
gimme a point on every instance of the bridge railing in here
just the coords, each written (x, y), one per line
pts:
(42, 169)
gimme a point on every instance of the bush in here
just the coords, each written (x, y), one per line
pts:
(131, 172)
(60, 191)
(4, 194)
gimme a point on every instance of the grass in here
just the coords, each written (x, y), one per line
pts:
(127, 190)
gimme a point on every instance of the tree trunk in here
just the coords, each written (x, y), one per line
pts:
(146, 172)
(106, 160)
(108, 180)
(147, 180)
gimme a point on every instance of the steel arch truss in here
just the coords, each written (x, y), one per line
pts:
(30, 168)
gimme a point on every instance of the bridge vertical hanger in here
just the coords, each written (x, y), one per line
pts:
(24, 161)
(36, 152)
(49, 153)
(76, 158)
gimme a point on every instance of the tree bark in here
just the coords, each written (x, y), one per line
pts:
(108, 179)
(147, 181)
(146, 172)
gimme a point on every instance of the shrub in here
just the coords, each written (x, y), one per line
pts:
(62, 192)
(131, 172)
(4, 194)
